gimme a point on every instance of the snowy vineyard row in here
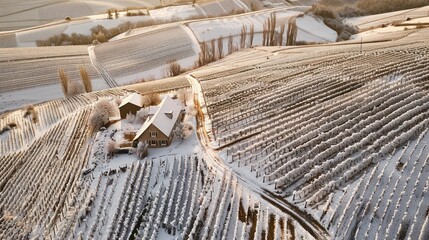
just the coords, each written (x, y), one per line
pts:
(388, 204)
(175, 197)
(27, 68)
(160, 48)
(37, 180)
(160, 86)
(32, 73)
(310, 128)
(13, 54)
(48, 113)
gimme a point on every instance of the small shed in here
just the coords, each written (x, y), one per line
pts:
(131, 104)
(157, 131)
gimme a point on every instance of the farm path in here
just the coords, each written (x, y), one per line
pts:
(109, 80)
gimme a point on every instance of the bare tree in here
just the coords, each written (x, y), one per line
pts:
(97, 119)
(191, 110)
(127, 127)
(212, 50)
(204, 55)
(118, 101)
(272, 28)
(243, 36)
(174, 69)
(100, 37)
(86, 80)
(130, 117)
(292, 32)
(155, 99)
(34, 116)
(146, 101)
(28, 109)
(220, 47)
(281, 33)
(103, 109)
(75, 88)
(64, 80)
(31, 110)
(141, 150)
(151, 100)
(111, 148)
(251, 34)
(269, 31)
(187, 130)
(230, 44)
(182, 95)
(141, 115)
(177, 131)
(264, 34)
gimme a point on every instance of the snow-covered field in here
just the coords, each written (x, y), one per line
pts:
(135, 57)
(30, 75)
(211, 29)
(147, 55)
(28, 37)
(310, 29)
(325, 141)
(173, 193)
(387, 33)
(313, 30)
(181, 42)
(422, 20)
(22, 14)
(49, 113)
(376, 21)
(341, 135)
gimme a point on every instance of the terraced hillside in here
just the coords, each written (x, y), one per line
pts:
(58, 182)
(31, 67)
(30, 75)
(377, 20)
(25, 129)
(23, 13)
(29, 13)
(301, 142)
(41, 162)
(177, 196)
(150, 51)
(339, 133)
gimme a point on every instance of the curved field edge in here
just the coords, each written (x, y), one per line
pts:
(334, 131)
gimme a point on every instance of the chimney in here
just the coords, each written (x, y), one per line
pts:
(169, 114)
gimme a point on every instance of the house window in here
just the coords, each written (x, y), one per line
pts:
(163, 142)
(153, 134)
(153, 142)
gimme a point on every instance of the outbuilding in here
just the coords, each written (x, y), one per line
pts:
(130, 105)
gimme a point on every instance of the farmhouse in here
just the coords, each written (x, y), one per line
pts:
(157, 131)
(131, 104)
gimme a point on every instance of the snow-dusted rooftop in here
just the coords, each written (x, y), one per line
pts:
(161, 120)
(134, 98)
(153, 110)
